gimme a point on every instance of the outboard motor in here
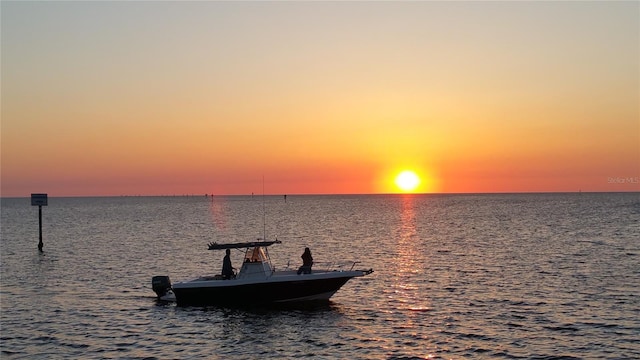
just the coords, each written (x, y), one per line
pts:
(161, 285)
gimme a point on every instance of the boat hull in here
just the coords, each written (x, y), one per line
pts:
(272, 291)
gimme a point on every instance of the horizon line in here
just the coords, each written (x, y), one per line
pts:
(332, 194)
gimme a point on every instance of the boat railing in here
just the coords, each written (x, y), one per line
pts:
(325, 266)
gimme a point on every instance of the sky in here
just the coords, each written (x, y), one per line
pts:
(225, 98)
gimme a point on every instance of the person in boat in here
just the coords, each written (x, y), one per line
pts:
(307, 261)
(227, 269)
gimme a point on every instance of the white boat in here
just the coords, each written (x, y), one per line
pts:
(257, 282)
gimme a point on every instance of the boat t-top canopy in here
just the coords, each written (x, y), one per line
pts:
(243, 245)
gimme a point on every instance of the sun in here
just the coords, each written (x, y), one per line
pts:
(407, 181)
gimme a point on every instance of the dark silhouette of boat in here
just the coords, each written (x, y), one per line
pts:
(257, 282)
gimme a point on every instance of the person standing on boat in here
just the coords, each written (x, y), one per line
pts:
(307, 261)
(227, 269)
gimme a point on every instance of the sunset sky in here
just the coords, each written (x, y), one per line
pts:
(163, 98)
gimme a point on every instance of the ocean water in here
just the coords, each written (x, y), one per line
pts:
(531, 276)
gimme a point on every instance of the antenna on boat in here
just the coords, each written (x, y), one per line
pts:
(264, 216)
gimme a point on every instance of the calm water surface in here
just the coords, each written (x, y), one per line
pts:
(456, 276)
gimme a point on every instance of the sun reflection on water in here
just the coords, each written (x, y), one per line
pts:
(218, 213)
(411, 260)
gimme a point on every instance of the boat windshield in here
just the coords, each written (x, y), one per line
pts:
(257, 254)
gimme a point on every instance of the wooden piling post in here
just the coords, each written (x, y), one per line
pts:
(39, 200)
